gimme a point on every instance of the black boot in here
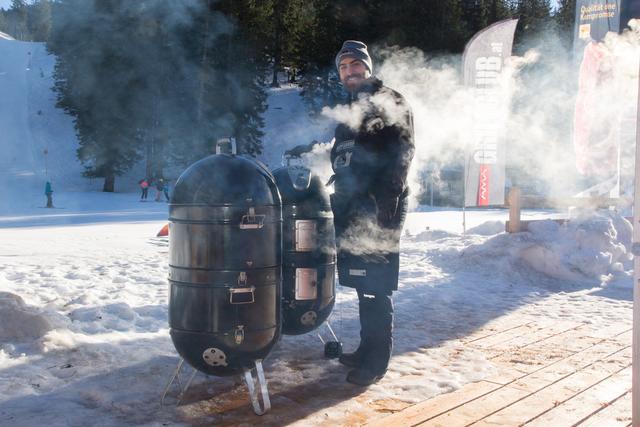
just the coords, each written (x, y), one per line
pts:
(364, 376)
(376, 317)
(353, 360)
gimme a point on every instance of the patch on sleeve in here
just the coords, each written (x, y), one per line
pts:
(357, 272)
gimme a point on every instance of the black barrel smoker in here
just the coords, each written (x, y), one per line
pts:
(225, 261)
(309, 251)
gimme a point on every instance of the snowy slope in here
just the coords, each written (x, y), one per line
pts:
(31, 124)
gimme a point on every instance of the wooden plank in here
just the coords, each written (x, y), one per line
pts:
(609, 331)
(476, 409)
(574, 341)
(488, 342)
(548, 397)
(522, 362)
(554, 372)
(617, 414)
(507, 373)
(541, 333)
(587, 402)
(430, 408)
(533, 358)
(491, 329)
(624, 338)
(529, 361)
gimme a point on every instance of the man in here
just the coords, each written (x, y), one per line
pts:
(371, 154)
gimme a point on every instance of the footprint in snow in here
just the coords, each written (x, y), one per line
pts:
(77, 276)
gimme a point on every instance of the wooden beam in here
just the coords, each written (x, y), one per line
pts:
(513, 226)
(537, 202)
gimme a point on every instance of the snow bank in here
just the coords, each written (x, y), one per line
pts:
(488, 228)
(591, 246)
(18, 322)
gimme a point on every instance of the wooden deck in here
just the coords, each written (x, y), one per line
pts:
(550, 374)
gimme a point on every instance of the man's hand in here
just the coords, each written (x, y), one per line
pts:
(299, 150)
(387, 208)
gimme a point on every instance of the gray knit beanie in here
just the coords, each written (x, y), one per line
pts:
(357, 50)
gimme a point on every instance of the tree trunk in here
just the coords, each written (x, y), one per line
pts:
(109, 183)
(277, 51)
(149, 166)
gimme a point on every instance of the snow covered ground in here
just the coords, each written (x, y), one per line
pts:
(83, 309)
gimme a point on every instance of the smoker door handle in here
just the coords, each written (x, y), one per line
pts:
(242, 295)
(252, 222)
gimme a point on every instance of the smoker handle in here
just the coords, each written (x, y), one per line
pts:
(252, 222)
(242, 295)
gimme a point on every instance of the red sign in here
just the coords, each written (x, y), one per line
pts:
(483, 185)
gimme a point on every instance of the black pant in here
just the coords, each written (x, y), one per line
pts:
(376, 327)
(374, 289)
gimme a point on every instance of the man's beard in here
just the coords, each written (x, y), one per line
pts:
(353, 81)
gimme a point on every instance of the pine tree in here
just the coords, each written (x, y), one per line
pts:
(317, 49)
(479, 14)
(91, 39)
(39, 20)
(535, 18)
(565, 19)
(18, 20)
(3, 22)
(240, 67)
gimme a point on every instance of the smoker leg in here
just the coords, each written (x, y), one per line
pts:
(253, 393)
(332, 349)
(176, 378)
(186, 387)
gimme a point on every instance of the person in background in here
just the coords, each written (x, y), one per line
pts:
(48, 191)
(165, 190)
(144, 186)
(159, 189)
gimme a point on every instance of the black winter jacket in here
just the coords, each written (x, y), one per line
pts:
(373, 148)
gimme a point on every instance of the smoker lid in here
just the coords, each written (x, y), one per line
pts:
(224, 179)
(297, 188)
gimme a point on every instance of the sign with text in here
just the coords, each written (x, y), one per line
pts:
(484, 67)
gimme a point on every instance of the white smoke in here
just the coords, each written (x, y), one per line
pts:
(365, 238)
(542, 85)
(539, 120)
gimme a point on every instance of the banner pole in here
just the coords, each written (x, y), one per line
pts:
(464, 197)
(635, 390)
